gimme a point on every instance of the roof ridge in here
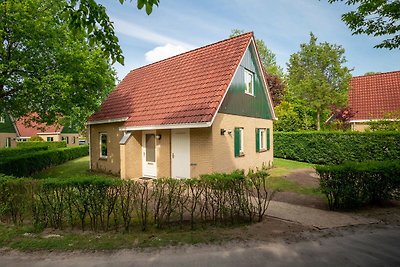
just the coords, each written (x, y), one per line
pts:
(382, 73)
(190, 51)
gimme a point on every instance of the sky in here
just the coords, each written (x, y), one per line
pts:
(177, 26)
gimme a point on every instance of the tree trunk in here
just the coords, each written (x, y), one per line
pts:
(318, 121)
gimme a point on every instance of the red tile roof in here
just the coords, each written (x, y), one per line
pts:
(27, 128)
(372, 96)
(186, 88)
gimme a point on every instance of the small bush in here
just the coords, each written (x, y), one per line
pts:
(354, 184)
(28, 164)
(100, 203)
(36, 138)
(49, 145)
(336, 147)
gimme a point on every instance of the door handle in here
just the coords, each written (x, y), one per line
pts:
(172, 155)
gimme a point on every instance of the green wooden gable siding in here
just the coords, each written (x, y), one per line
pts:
(237, 102)
(7, 126)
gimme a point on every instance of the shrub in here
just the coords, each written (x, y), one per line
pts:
(17, 151)
(101, 203)
(28, 164)
(355, 184)
(36, 138)
(49, 145)
(336, 147)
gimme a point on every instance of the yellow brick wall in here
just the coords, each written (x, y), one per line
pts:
(359, 127)
(223, 145)
(163, 153)
(4, 136)
(201, 151)
(112, 163)
(71, 137)
(131, 157)
(56, 137)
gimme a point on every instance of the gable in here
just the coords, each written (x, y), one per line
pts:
(237, 102)
(6, 126)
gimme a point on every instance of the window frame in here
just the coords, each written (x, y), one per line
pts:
(246, 90)
(8, 141)
(262, 132)
(240, 152)
(101, 148)
(51, 139)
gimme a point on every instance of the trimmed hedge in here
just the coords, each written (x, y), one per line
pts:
(17, 151)
(101, 203)
(49, 145)
(28, 164)
(354, 184)
(336, 147)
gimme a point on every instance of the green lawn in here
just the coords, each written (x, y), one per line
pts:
(74, 168)
(284, 167)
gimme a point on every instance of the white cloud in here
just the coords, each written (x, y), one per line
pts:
(139, 32)
(165, 51)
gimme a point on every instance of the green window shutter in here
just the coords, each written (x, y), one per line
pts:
(257, 140)
(237, 142)
(268, 138)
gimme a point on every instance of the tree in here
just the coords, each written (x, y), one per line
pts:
(274, 73)
(340, 118)
(45, 68)
(375, 17)
(318, 77)
(293, 116)
(91, 18)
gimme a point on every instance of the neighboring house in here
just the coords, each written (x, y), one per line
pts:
(372, 97)
(7, 131)
(17, 130)
(203, 111)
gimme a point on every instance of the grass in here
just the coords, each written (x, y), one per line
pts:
(74, 168)
(26, 238)
(283, 167)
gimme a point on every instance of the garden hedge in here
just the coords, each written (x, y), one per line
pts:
(28, 164)
(49, 145)
(17, 151)
(101, 203)
(336, 147)
(355, 184)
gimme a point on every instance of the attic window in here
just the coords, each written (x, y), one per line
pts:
(249, 82)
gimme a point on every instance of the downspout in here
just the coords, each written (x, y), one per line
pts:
(90, 148)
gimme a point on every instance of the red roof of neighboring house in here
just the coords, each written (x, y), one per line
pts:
(33, 128)
(372, 96)
(187, 88)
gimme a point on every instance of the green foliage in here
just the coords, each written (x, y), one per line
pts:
(18, 151)
(293, 116)
(46, 68)
(377, 18)
(28, 164)
(390, 122)
(101, 203)
(36, 138)
(355, 184)
(49, 145)
(336, 147)
(317, 75)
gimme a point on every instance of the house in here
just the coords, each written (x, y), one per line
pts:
(372, 97)
(203, 111)
(8, 133)
(12, 131)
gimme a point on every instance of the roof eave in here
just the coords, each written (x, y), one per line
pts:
(166, 126)
(122, 119)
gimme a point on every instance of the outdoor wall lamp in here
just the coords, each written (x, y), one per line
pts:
(229, 132)
(223, 131)
(158, 136)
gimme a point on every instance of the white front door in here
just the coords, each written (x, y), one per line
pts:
(149, 155)
(180, 153)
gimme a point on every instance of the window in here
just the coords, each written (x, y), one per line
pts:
(2, 120)
(248, 80)
(103, 145)
(239, 142)
(8, 142)
(268, 138)
(50, 139)
(260, 140)
(73, 140)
